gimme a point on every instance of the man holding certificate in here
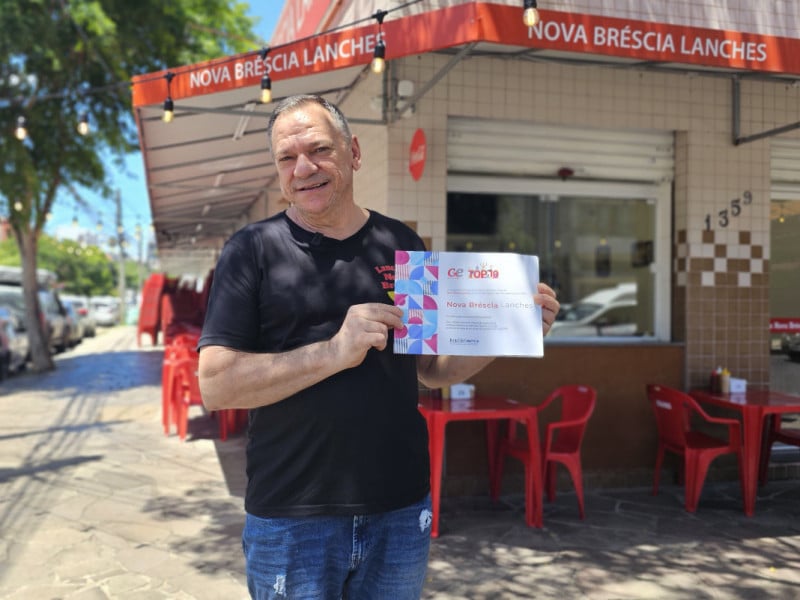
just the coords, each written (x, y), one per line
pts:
(300, 329)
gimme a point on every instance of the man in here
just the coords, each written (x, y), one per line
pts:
(298, 330)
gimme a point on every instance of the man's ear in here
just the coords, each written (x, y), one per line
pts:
(355, 148)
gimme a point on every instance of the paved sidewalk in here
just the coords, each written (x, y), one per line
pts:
(95, 503)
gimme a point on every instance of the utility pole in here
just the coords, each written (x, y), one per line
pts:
(121, 262)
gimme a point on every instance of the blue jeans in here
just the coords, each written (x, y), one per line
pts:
(378, 556)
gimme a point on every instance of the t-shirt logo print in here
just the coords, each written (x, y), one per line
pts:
(386, 279)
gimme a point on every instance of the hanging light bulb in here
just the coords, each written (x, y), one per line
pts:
(266, 82)
(266, 89)
(18, 206)
(379, 58)
(530, 16)
(83, 124)
(21, 130)
(169, 110)
(169, 106)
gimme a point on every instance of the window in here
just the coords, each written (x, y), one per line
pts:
(597, 247)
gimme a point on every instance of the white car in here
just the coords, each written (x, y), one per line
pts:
(84, 312)
(606, 312)
(105, 310)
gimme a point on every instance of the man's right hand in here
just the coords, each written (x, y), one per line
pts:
(365, 326)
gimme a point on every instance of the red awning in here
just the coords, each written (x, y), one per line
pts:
(207, 168)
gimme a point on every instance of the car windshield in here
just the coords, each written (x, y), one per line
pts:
(581, 310)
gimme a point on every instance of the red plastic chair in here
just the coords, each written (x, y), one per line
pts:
(172, 352)
(775, 433)
(676, 414)
(561, 443)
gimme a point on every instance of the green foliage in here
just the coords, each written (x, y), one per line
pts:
(60, 59)
(82, 269)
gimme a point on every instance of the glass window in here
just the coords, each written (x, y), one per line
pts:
(595, 251)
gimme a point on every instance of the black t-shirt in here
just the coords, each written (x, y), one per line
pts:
(355, 442)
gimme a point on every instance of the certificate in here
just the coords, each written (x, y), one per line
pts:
(467, 303)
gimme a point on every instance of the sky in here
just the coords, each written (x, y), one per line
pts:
(131, 181)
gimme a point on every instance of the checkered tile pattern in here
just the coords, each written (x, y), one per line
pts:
(720, 258)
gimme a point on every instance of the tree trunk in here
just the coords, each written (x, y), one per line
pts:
(38, 335)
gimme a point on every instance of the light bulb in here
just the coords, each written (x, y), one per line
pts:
(83, 124)
(266, 89)
(21, 131)
(530, 17)
(169, 110)
(379, 58)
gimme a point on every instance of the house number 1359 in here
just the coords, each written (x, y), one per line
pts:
(732, 211)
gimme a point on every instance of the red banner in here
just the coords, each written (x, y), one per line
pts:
(480, 22)
(784, 325)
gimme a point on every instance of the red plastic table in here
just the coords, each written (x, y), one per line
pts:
(491, 409)
(755, 406)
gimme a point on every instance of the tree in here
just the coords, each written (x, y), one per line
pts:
(82, 269)
(63, 59)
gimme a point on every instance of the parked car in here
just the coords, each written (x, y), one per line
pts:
(106, 310)
(790, 346)
(14, 346)
(74, 324)
(606, 312)
(85, 314)
(52, 312)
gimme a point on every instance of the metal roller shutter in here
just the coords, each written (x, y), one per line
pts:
(785, 169)
(518, 148)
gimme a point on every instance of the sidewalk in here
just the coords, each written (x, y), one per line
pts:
(95, 502)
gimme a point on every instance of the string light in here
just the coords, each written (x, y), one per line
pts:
(379, 58)
(530, 16)
(83, 127)
(266, 82)
(83, 124)
(21, 131)
(169, 106)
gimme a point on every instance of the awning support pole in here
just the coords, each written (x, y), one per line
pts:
(736, 115)
(400, 109)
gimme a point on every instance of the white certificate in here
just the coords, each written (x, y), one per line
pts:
(467, 303)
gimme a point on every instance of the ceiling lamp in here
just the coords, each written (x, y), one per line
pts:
(530, 16)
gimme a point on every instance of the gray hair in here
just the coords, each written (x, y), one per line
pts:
(292, 102)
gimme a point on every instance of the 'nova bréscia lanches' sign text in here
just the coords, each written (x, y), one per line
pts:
(288, 60)
(655, 41)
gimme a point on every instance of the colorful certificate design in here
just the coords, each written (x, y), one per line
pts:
(467, 303)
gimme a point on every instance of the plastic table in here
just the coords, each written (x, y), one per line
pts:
(755, 406)
(491, 409)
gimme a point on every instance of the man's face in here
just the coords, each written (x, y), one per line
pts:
(315, 163)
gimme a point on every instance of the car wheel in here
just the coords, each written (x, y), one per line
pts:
(793, 356)
(4, 367)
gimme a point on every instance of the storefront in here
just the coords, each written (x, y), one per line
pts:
(634, 153)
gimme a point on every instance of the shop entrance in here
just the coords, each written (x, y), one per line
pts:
(784, 295)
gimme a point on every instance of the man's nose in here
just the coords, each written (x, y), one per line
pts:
(304, 166)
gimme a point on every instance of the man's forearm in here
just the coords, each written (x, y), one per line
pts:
(235, 379)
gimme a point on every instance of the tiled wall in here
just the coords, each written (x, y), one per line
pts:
(720, 273)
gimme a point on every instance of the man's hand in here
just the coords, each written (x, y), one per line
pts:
(546, 298)
(365, 326)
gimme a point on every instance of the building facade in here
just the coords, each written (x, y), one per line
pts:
(647, 152)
